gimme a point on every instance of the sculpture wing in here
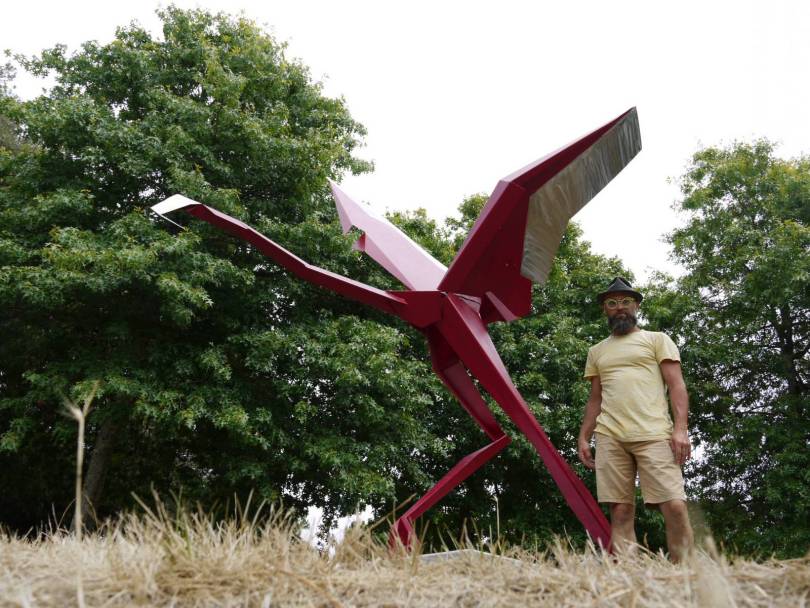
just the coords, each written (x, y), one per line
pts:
(388, 245)
(314, 274)
(516, 237)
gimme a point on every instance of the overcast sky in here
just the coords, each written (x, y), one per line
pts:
(456, 95)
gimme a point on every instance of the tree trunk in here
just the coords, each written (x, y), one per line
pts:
(788, 350)
(97, 471)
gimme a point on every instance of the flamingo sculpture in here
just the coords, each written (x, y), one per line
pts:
(512, 243)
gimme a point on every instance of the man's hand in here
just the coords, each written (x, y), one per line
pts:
(681, 448)
(592, 410)
(585, 453)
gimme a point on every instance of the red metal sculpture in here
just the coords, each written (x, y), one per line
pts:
(512, 243)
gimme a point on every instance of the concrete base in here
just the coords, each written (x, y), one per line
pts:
(462, 554)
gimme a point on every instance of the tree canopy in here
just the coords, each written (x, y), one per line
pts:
(191, 334)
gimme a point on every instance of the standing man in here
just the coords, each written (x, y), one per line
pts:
(630, 372)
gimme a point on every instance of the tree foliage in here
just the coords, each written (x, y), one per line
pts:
(197, 342)
(742, 314)
(8, 130)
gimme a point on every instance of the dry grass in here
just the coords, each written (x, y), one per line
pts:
(187, 560)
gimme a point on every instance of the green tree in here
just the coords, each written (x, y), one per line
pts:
(742, 316)
(8, 130)
(219, 372)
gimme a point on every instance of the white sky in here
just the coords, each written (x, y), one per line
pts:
(456, 95)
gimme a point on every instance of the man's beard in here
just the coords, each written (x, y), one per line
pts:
(622, 325)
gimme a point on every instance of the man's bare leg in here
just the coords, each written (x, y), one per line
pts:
(679, 532)
(622, 526)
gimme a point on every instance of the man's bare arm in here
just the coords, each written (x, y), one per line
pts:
(592, 409)
(679, 401)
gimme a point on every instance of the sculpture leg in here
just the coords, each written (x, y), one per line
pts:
(448, 367)
(402, 530)
(467, 334)
(452, 372)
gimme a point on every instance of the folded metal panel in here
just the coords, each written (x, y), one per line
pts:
(560, 198)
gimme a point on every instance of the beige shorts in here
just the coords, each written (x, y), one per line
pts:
(617, 462)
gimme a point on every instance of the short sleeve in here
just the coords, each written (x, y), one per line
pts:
(590, 365)
(665, 349)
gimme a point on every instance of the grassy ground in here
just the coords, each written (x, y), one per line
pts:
(186, 560)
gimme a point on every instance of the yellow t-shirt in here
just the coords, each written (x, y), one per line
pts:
(634, 399)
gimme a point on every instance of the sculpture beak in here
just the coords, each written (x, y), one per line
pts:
(173, 203)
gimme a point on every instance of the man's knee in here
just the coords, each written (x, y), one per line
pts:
(675, 511)
(622, 513)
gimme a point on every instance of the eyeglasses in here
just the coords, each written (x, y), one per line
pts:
(612, 303)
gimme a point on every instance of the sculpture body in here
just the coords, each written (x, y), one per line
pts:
(512, 243)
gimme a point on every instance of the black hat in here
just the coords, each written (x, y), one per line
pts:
(619, 285)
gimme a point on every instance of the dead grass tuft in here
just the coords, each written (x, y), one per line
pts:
(189, 559)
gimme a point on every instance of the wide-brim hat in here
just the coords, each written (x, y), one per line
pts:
(619, 285)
